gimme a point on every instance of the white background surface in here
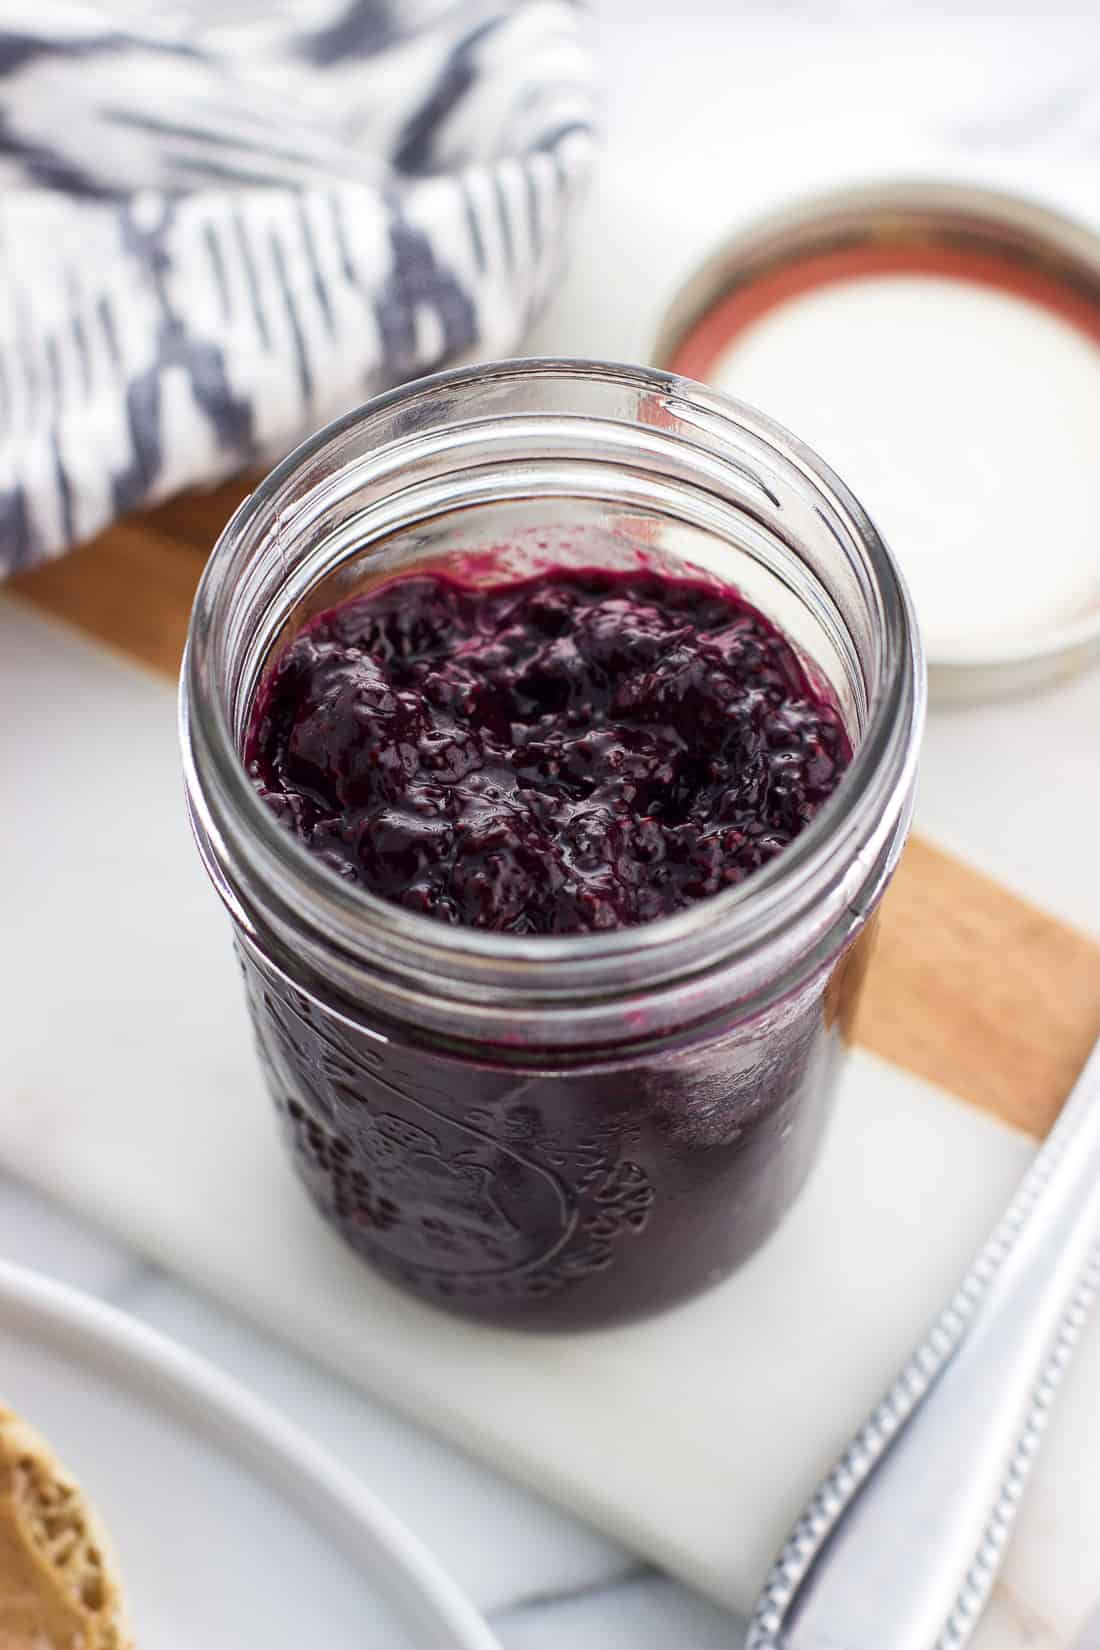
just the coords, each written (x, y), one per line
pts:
(715, 111)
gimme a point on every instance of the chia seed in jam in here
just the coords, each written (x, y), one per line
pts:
(580, 750)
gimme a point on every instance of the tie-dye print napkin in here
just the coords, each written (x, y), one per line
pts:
(221, 226)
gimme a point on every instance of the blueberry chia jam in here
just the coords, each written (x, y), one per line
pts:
(553, 867)
(582, 750)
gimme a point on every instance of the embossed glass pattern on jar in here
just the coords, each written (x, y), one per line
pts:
(581, 1129)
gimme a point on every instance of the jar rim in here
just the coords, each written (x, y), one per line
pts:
(734, 922)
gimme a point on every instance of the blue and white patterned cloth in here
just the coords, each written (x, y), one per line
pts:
(219, 231)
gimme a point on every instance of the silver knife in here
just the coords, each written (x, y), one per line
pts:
(899, 1546)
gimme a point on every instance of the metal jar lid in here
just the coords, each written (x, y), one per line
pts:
(986, 243)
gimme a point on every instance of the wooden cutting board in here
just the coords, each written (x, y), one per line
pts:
(972, 988)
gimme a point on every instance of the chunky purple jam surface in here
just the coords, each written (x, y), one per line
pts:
(580, 750)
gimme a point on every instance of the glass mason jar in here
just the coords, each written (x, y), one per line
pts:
(576, 1130)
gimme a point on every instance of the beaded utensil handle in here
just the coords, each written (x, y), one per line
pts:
(900, 1545)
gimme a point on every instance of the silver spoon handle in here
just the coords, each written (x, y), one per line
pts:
(900, 1545)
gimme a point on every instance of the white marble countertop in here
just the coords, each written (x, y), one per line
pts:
(712, 111)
